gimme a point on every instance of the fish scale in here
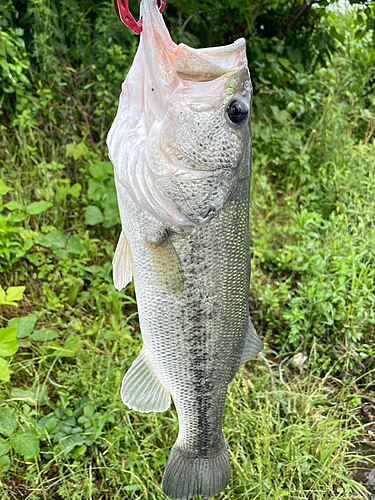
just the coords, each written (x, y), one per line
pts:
(183, 195)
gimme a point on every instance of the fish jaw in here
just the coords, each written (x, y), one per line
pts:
(169, 66)
(170, 91)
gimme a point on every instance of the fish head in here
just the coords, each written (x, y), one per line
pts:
(181, 139)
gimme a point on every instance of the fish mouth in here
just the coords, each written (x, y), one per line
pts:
(186, 63)
(204, 65)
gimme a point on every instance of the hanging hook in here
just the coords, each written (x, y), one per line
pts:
(124, 14)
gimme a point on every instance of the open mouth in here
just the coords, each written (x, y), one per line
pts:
(204, 65)
(187, 63)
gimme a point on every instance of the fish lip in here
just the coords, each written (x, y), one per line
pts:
(181, 60)
(210, 63)
(235, 46)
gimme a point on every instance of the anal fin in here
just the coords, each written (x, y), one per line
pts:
(253, 344)
(141, 389)
(122, 263)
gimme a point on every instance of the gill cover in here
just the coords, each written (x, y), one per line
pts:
(173, 150)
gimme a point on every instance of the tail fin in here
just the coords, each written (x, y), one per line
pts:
(187, 475)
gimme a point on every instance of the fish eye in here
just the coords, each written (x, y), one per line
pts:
(238, 111)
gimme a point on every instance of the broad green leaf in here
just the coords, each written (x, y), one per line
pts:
(78, 452)
(62, 254)
(74, 245)
(28, 245)
(24, 325)
(54, 239)
(89, 411)
(13, 205)
(76, 150)
(26, 442)
(67, 443)
(75, 190)
(52, 424)
(38, 207)
(8, 421)
(8, 342)
(333, 32)
(14, 293)
(4, 370)
(96, 270)
(43, 335)
(284, 62)
(4, 463)
(71, 346)
(2, 294)
(101, 169)
(37, 394)
(4, 189)
(17, 393)
(34, 260)
(96, 190)
(111, 216)
(97, 171)
(4, 446)
(93, 216)
(9, 89)
(61, 193)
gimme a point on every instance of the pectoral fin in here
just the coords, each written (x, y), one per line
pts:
(167, 265)
(122, 264)
(253, 344)
(141, 389)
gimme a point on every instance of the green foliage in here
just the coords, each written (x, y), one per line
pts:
(14, 74)
(103, 191)
(321, 290)
(71, 431)
(24, 325)
(25, 442)
(8, 421)
(8, 341)
(11, 296)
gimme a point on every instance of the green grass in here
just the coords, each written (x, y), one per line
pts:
(285, 438)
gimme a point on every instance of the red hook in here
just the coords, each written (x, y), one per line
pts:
(123, 13)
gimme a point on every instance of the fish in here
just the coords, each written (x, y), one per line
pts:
(180, 145)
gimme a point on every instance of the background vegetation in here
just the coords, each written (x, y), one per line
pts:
(67, 337)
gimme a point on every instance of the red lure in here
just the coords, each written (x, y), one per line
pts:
(124, 14)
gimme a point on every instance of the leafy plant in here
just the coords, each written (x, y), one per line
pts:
(8, 347)
(8, 341)
(14, 74)
(71, 431)
(102, 190)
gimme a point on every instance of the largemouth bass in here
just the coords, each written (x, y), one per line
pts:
(181, 145)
